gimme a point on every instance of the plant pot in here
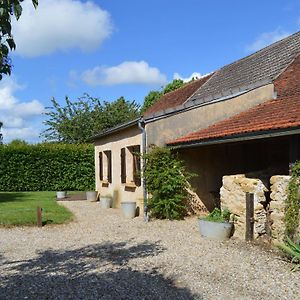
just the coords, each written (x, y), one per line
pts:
(91, 196)
(128, 209)
(216, 230)
(61, 195)
(105, 202)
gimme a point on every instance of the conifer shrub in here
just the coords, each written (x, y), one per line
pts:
(167, 184)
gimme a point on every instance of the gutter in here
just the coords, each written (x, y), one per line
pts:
(141, 125)
(238, 138)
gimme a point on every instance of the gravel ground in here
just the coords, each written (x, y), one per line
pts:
(101, 255)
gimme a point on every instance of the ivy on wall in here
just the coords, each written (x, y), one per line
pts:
(47, 167)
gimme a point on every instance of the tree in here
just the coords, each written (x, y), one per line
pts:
(150, 99)
(154, 96)
(1, 136)
(77, 121)
(172, 86)
(8, 8)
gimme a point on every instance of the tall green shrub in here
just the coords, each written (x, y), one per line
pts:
(292, 204)
(167, 183)
(46, 167)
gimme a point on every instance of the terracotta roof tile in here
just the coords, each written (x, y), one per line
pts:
(274, 114)
(281, 113)
(177, 97)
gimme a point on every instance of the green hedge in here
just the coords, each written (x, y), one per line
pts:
(47, 167)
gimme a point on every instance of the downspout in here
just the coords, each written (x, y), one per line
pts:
(141, 125)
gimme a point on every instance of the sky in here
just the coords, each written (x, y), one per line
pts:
(115, 48)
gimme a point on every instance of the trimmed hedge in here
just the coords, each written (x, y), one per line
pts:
(47, 167)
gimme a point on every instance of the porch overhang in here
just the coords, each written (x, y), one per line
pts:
(237, 138)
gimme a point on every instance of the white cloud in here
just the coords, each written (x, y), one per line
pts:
(60, 25)
(18, 117)
(194, 75)
(266, 39)
(137, 72)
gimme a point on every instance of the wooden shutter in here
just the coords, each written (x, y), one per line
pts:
(109, 166)
(101, 166)
(136, 165)
(123, 165)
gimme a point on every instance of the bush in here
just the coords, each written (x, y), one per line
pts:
(46, 167)
(167, 183)
(292, 204)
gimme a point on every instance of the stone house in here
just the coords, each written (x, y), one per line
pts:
(243, 119)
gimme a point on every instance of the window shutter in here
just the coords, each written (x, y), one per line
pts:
(137, 165)
(101, 166)
(123, 165)
(109, 167)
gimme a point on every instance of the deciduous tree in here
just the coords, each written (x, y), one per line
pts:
(77, 121)
(8, 9)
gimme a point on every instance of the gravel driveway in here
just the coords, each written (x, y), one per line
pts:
(101, 255)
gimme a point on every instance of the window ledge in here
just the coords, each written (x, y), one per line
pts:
(130, 185)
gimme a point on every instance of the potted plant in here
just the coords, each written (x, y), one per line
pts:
(217, 225)
(106, 201)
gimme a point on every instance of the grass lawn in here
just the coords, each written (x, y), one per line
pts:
(19, 208)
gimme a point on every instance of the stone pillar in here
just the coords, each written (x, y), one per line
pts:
(233, 196)
(279, 192)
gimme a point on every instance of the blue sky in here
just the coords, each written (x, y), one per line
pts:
(114, 48)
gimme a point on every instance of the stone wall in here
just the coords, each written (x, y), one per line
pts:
(268, 212)
(279, 190)
(233, 196)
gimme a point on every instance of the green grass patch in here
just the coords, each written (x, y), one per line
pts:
(19, 208)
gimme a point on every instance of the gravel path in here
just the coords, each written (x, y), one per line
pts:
(101, 255)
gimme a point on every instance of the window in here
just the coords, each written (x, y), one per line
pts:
(131, 165)
(105, 166)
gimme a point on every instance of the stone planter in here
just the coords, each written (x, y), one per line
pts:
(91, 196)
(216, 230)
(105, 202)
(128, 209)
(61, 195)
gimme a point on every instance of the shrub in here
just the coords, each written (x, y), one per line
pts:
(46, 167)
(218, 215)
(292, 250)
(167, 183)
(292, 205)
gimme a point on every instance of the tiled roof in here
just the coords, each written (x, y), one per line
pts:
(262, 66)
(281, 113)
(274, 114)
(177, 97)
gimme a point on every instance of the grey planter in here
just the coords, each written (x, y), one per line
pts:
(105, 202)
(61, 195)
(91, 196)
(128, 209)
(216, 230)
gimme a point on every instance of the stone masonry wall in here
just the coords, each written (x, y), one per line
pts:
(279, 190)
(233, 196)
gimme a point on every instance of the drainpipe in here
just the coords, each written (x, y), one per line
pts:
(141, 125)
